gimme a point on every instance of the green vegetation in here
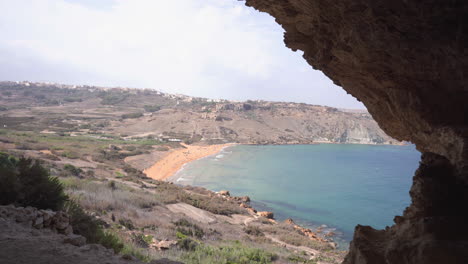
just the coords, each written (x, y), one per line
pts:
(189, 229)
(112, 98)
(87, 226)
(26, 183)
(132, 115)
(253, 230)
(72, 100)
(72, 169)
(231, 253)
(152, 108)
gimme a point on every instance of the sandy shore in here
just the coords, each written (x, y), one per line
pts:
(175, 159)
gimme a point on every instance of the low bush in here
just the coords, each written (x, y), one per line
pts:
(91, 228)
(132, 115)
(237, 253)
(187, 244)
(142, 240)
(189, 229)
(110, 98)
(253, 230)
(70, 155)
(127, 223)
(72, 100)
(152, 108)
(72, 170)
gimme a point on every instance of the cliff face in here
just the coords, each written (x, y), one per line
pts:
(407, 62)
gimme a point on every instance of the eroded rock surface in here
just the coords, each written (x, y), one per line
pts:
(23, 241)
(407, 62)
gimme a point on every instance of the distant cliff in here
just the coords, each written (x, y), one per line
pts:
(131, 113)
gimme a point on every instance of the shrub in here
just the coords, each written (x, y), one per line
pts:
(26, 183)
(253, 230)
(142, 240)
(187, 244)
(127, 223)
(72, 100)
(89, 227)
(113, 98)
(236, 253)
(152, 108)
(132, 172)
(189, 229)
(132, 115)
(72, 169)
(70, 155)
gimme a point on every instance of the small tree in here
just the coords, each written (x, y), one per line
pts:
(26, 183)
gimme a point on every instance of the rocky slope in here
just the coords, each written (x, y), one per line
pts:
(142, 113)
(28, 235)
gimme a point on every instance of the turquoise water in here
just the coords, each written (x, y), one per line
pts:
(339, 186)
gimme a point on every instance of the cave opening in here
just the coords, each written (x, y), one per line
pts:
(406, 63)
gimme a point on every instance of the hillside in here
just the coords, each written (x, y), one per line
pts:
(142, 113)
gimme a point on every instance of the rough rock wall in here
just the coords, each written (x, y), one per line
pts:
(407, 61)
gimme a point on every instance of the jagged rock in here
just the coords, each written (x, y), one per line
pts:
(32, 217)
(75, 240)
(61, 221)
(38, 223)
(224, 193)
(68, 230)
(268, 215)
(252, 211)
(243, 205)
(163, 244)
(289, 221)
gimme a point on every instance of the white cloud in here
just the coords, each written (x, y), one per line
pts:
(205, 48)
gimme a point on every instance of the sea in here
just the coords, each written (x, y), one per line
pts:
(331, 186)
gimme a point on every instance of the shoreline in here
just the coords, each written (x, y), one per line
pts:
(176, 159)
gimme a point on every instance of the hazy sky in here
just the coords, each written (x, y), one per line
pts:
(207, 48)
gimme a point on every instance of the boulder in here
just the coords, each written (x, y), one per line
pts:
(75, 240)
(268, 215)
(243, 205)
(165, 244)
(224, 193)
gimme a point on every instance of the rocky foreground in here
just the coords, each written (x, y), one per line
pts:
(28, 235)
